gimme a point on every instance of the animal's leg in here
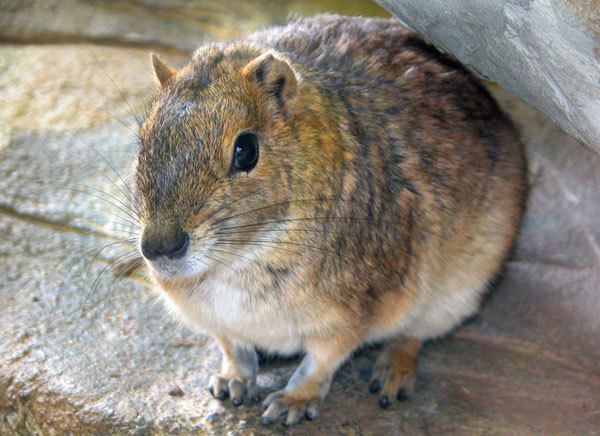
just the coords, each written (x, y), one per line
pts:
(308, 386)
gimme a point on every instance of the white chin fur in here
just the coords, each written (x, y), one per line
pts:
(186, 267)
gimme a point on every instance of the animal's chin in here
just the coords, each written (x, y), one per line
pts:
(166, 269)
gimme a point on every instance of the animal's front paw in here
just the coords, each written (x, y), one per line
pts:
(296, 404)
(237, 379)
(236, 387)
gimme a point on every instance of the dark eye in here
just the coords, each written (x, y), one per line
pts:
(245, 152)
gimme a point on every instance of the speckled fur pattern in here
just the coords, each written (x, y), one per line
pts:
(388, 192)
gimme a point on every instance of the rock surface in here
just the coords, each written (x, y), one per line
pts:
(545, 52)
(83, 351)
(175, 25)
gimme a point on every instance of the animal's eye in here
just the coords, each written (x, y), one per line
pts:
(245, 152)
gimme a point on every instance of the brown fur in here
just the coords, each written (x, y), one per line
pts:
(388, 180)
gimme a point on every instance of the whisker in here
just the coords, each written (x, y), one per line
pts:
(89, 145)
(256, 245)
(216, 260)
(129, 241)
(130, 267)
(120, 226)
(310, 219)
(117, 276)
(299, 244)
(236, 254)
(126, 224)
(131, 111)
(285, 203)
(276, 245)
(224, 206)
(96, 281)
(110, 115)
(121, 202)
(96, 169)
(291, 229)
(132, 220)
(87, 251)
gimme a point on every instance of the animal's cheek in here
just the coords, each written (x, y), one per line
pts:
(201, 239)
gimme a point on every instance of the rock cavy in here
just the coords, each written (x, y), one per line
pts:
(316, 187)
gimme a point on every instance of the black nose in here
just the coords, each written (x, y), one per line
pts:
(172, 246)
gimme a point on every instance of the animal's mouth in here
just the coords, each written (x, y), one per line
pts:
(166, 267)
(168, 252)
(191, 265)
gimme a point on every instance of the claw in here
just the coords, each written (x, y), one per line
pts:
(374, 387)
(236, 402)
(264, 420)
(384, 402)
(237, 390)
(312, 410)
(401, 396)
(282, 402)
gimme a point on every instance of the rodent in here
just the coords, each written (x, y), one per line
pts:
(320, 186)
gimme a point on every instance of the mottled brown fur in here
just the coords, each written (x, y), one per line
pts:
(389, 182)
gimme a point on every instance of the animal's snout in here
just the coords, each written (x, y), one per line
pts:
(172, 244)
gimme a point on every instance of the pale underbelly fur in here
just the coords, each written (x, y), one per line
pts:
(219, 311)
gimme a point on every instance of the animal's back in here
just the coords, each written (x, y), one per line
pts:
(423, 123)
(344, 47)
(401, 91)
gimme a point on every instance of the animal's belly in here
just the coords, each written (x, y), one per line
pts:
(267, 333)
(223, 310)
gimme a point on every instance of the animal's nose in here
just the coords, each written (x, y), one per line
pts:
(173, 246)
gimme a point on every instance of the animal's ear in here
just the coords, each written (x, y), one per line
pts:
(163, 71)
(276, 76)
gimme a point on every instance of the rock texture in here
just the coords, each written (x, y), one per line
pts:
(167, 24)
(546, 52)
(84, 352)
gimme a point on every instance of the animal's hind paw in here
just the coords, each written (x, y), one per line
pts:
(395, 372)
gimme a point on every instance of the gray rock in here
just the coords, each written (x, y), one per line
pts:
(545, 52)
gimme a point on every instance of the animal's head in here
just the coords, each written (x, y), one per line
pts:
(224, 151)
